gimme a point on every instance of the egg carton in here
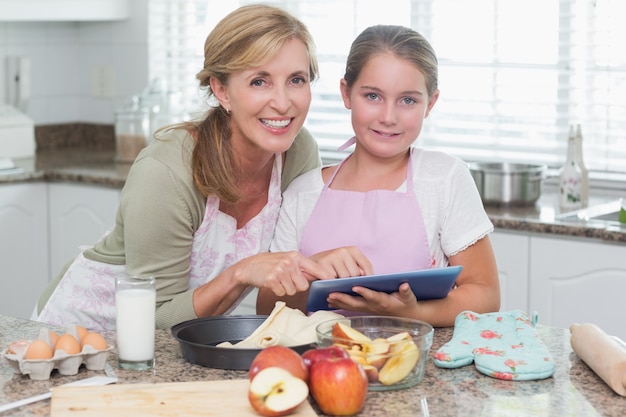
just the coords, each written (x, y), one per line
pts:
(66, 364)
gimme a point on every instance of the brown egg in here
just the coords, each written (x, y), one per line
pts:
(81, 331)
(95, 340)
(67, 343)
(54, 336)
(39, 350)
(18, 347)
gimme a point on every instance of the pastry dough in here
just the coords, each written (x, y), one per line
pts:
(285, 326)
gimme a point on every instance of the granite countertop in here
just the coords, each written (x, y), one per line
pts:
(574, 389)
(98, 167)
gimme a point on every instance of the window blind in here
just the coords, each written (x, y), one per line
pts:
(513, 75)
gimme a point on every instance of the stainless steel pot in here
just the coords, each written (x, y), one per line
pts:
(504, 183)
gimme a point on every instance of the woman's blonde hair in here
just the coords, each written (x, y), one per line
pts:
(246, 38)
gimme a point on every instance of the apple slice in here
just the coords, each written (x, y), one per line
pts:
(400, 364)
(398, 337)
(348, 334)
(377, 352)
(371, 372)
(276, 392)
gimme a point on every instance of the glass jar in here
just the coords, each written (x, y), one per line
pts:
(132, 127)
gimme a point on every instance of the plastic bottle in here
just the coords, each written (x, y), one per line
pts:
(581, 164)
(571, 181)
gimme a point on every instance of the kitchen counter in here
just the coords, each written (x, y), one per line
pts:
(98, 167)
(574, 390)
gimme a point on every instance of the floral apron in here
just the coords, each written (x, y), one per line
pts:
(86, 293)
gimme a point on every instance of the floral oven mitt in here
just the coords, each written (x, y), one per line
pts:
(503, 345)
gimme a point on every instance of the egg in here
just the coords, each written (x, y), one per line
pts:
(95, 340)
(67, 343)
(18, 347)
(81, 331)
(54, 336)
(39, 350)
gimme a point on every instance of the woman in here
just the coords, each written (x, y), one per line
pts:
(404, 208)
(200, 203)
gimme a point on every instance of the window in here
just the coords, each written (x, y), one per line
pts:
(514, 75)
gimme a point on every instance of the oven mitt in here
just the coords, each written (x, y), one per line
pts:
(503, 345)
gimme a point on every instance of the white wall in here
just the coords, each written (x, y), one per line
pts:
(64, 57)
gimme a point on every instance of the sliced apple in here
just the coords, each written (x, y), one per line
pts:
(276, 392)
(345, 333)
(371, 372)
(398, 337)
(378, 352)
(400, 364)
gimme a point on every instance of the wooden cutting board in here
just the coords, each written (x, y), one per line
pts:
(205, 398)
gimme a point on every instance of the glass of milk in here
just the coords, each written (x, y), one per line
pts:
(135, 302)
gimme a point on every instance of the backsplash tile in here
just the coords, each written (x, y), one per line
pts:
(75, 135)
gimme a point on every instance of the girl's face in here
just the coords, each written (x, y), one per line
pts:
(389, 102)
(268, 104)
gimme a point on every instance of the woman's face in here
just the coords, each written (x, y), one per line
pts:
(388, 101)
(268, 104)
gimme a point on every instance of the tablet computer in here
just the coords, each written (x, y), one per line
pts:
(426, 284)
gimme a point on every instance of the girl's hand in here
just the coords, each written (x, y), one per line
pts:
(346, 261)
(376, 302)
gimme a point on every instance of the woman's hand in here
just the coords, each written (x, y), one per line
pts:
(346, 261)
(375, 302)
(341, 262)
(279, 275)
(283, 273)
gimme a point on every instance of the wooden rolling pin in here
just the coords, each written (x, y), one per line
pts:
(602, 353)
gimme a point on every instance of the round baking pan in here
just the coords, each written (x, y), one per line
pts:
(199, 338)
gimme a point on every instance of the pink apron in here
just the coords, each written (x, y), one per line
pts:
(86, 293)
(387, 226)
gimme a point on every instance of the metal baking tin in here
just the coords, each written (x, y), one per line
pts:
(198, 339)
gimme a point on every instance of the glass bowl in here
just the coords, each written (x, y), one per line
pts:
(392, 350)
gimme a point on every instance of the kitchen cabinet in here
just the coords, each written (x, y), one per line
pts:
(512, 257)
(23, 246)
(578, 280)
(79, 215)
(63, 10)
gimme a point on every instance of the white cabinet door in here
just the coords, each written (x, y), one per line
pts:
(579, 281)
(23, 247)
(512, 257)
(79, 215)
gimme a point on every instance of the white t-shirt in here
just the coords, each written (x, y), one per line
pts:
(453, 212)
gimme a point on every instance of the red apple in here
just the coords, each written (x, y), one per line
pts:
(339, 386)
(276, 392)
(312, 356)
(282, 357)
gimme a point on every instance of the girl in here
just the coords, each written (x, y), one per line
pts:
(401, 207)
